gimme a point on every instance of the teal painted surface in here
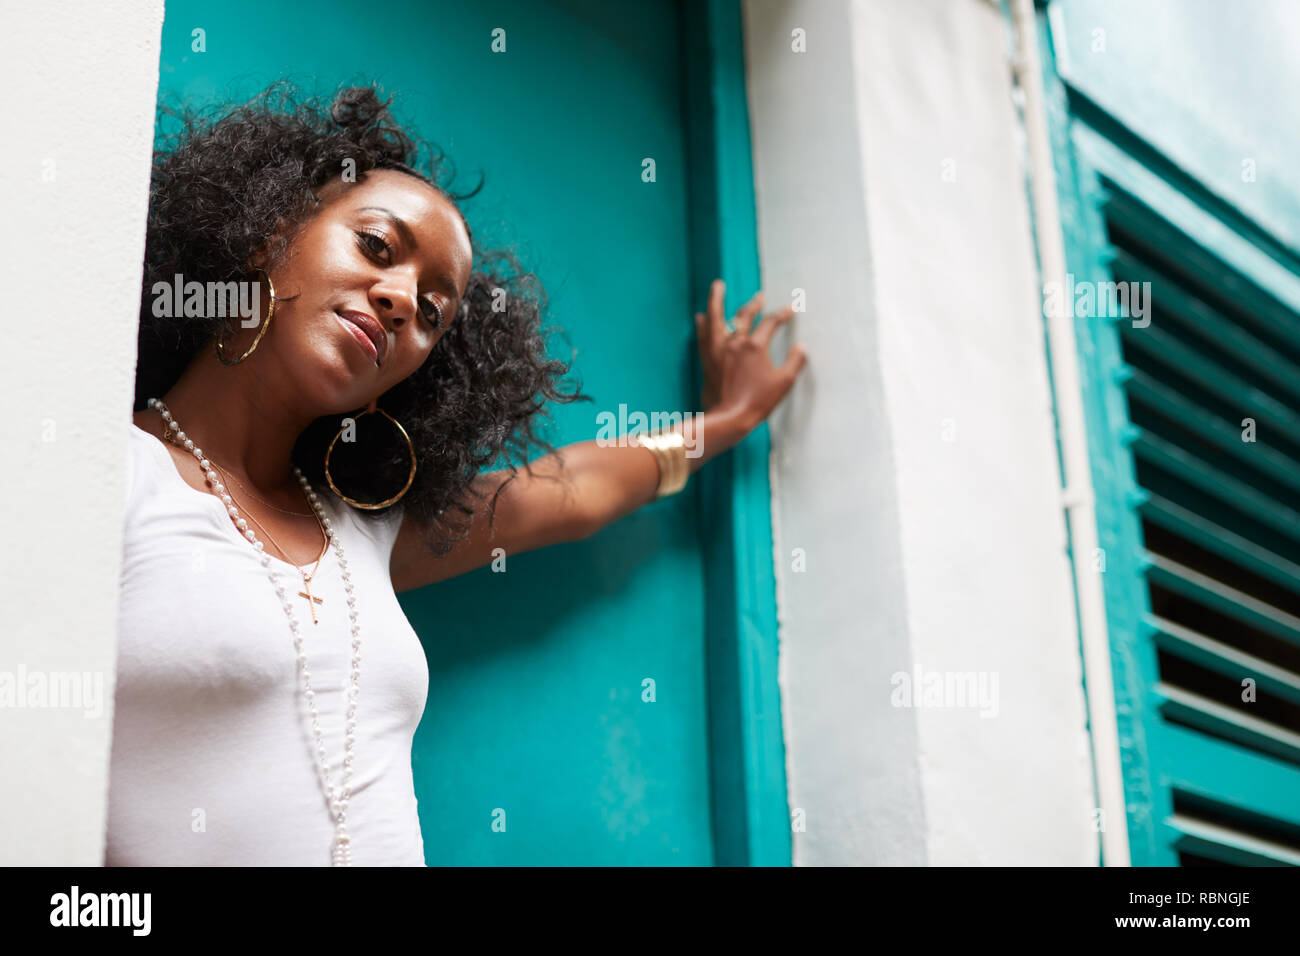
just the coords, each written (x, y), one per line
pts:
(751, 813)
(1254, 785)
(536, 674)
(1251, 781)
(1113, 171)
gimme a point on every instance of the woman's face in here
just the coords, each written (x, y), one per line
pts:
(378, 275)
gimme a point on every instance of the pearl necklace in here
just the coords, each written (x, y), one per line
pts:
(341, 848)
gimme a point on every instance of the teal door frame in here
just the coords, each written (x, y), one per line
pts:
(751, 816)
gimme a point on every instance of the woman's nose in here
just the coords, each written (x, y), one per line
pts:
(396, 307)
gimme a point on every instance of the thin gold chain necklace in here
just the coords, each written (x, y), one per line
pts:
(312, 600)
(300, 514)
(167, 436)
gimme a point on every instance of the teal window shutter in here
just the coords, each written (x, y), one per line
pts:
(1211, 379)
(1192, 401)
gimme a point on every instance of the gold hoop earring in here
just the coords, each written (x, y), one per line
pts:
(409, 478)
(266, 324)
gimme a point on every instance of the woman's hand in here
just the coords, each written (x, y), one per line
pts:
(739, 377)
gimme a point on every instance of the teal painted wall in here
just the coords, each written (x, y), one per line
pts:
(536, 674)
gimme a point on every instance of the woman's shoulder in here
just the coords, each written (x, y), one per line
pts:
(149, 457)
(145, 439)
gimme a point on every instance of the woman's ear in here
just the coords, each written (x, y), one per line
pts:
(258, 259)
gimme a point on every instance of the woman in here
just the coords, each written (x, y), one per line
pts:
(293, 470)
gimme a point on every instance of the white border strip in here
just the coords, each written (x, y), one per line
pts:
(1078, 493)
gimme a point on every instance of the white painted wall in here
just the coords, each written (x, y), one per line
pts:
(916, 463)
(80, 83)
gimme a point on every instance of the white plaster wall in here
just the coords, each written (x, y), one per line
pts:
(852, 760)
(80, 82)
(916, 465)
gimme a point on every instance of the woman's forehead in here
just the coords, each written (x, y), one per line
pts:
(404, 194)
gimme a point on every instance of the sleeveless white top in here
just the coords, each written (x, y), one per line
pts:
(214, 762)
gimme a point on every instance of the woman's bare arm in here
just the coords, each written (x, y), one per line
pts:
(597, 484)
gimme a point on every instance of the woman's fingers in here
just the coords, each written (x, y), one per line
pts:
(711, 327)
(751, 378)
(771, 322)
(745, 314)
(717, 322)
(794, 362)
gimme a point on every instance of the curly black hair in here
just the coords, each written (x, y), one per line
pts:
(232, 182)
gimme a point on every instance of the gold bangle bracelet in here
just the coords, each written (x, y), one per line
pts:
(670, 452)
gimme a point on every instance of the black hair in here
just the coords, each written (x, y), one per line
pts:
(232, 182)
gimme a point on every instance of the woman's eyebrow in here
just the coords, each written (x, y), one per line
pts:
(398, 224)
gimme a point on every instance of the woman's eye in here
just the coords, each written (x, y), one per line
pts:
(432, 311)
(374, 243)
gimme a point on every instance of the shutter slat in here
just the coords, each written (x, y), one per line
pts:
(1212, 429)
(1156, 344)
(1212, 769)
(1213, 655)
(1212, 717)
(1268, 311)
(1217, 328)
(1219, 484)
(1227, 845)
(1218, 596)
(1219, 540)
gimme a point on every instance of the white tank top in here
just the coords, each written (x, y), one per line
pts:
(213, 760)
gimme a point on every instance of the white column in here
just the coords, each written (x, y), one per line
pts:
(80, 82)
(915, 467)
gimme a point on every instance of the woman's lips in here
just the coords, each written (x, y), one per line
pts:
(357, 331)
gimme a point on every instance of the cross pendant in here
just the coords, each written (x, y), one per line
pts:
(312, 601)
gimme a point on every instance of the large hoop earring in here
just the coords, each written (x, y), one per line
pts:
(266, 324)
(409, 478)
